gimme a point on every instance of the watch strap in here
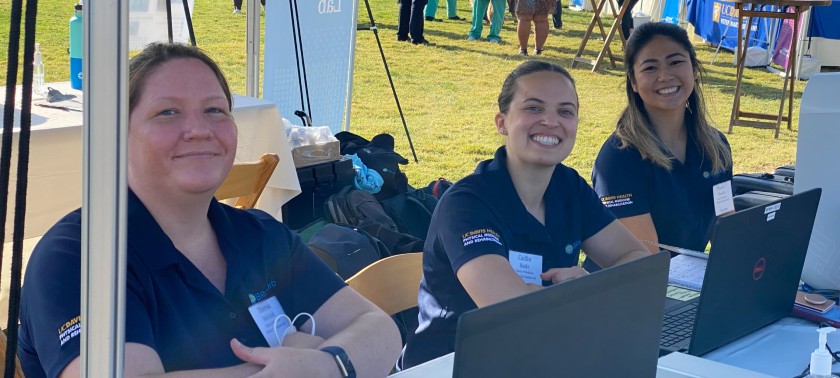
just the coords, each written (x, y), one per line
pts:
(345, 367)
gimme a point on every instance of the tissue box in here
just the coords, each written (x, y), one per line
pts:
(312, 154)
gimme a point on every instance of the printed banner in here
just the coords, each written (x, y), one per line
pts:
(715, 18)
(782, 48)
(320, 62)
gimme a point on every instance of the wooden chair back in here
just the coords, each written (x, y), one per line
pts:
(246, 181)
(391, 283)
(18, 369)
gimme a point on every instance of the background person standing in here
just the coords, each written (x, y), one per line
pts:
(410, 21)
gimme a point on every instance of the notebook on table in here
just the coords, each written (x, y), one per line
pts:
(751, 276)
(603, 324)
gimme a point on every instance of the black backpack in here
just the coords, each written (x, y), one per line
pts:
(346, 250)
(378, 154)
(437, 187)
(412, 212)
(354, 207)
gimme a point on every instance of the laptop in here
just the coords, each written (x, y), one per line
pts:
(751, 277)
(603, 324)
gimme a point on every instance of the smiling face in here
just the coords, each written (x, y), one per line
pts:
(541, 122)
(182, 137)
(663, 76)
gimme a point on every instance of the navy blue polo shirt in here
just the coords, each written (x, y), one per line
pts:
(170, 305)
(481, 215)
(680, 201)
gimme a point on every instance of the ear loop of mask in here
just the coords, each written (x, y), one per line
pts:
(291, 328)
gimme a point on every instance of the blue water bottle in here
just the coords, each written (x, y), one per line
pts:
(76, 48)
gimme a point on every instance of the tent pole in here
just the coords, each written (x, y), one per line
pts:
(252, 49)
(104, 131)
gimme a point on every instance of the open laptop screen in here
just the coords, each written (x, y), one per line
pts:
(603, 324)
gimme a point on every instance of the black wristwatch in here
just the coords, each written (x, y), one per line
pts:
(345, 367)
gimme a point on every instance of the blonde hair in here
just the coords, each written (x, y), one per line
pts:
(634, 127)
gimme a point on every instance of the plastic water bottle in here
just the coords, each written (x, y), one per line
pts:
(38, 72)
(76, 48)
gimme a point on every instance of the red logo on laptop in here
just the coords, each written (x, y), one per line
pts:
(758, 269)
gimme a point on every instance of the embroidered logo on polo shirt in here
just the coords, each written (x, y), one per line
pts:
(570, 248)
(481, 235)
(619, 200)
(69, 329)
(258, 296)
(706, 174)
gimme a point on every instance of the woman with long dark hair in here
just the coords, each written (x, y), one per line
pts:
(657, 171)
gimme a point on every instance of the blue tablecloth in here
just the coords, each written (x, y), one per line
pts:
(711, 17)
(824, 23)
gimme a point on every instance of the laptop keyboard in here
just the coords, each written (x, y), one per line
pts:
(678, 324)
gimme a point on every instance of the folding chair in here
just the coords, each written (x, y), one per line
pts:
(246, 181)
(391, 283)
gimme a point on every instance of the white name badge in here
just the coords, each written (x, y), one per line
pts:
(527, 266)
(723, 198)
(264, 314)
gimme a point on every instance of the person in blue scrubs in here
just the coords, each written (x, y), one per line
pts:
(202, 277)
(518, 223)
(657, 170)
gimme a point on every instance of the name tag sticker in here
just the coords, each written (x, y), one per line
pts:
(772, 208)
(527, 266)
(723, 198)
(264, 312)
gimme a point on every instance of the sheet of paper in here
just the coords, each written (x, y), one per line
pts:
(687, 271)
(723, 198)
(681, 294)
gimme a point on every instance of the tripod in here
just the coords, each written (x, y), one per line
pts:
(375, 31)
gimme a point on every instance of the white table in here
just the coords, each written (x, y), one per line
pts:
(674, 365)
(55, 166)
(781, 349)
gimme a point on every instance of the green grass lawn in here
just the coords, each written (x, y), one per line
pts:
(448, 91)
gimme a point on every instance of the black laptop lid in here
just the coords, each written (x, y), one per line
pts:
(603, 324)
(753, 270)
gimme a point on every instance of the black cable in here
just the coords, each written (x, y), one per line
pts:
(296, 15)
(9, 113)
(189, 21)
(292, 9)
(375, 31)
(20, 191)
(23, 159)
(169, 19)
